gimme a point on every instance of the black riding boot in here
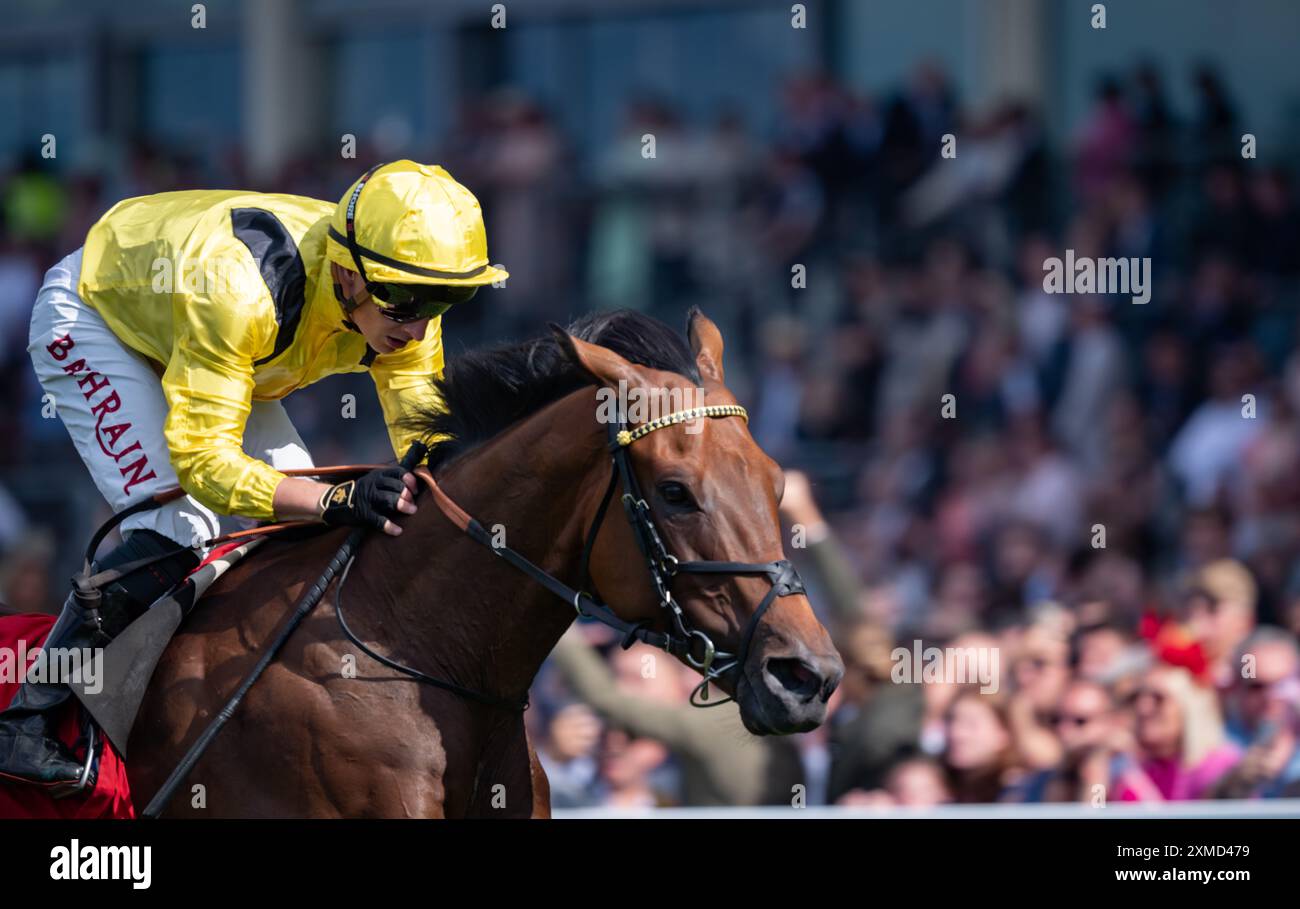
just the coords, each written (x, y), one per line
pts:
(29, 750)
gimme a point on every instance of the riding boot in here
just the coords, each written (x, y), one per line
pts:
(30, 750)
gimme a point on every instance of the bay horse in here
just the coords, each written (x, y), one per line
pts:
(328, 731)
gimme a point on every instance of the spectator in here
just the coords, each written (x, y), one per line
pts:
(1182, 749)
(1221, 614)
(980, 752)
(1267, 718)
(1090, 735)
(917, 782)
(568, 754)
(1106, 143)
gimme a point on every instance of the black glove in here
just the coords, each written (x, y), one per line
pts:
(367, 501)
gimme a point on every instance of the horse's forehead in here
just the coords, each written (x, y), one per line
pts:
(709, 443)
(667, 380)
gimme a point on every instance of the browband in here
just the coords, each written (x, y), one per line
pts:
(627, 436)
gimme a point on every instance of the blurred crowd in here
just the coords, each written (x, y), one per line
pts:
(1110, 499)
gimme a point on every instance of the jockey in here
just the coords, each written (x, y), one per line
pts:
(167, 341)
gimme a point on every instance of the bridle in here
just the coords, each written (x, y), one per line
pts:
(681, 639)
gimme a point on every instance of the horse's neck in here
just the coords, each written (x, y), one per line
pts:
(460, 609)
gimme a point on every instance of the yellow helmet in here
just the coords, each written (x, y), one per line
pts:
(413, 224)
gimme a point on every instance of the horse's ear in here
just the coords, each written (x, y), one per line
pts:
(601, 363)
(706, 344)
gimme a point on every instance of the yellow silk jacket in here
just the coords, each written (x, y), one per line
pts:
(230, 295)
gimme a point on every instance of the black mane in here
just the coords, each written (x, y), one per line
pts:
(485, 391)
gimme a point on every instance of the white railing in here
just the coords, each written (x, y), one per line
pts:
(1262, 808)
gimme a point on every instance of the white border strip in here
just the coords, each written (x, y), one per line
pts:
(1262, 808)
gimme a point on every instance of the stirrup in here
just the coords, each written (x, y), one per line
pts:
(66, 790)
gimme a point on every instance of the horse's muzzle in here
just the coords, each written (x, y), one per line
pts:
(787, 692)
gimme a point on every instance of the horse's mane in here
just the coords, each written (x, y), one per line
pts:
(483, 392)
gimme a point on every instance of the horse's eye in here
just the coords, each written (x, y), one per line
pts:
(675, 494)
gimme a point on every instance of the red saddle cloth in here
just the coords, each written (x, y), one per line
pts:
(111, 797)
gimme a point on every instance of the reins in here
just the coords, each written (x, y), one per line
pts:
(86, 584)
(461, 690)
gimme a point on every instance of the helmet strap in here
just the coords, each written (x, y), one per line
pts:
(348, 305)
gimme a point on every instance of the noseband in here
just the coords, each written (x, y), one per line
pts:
(681, 639)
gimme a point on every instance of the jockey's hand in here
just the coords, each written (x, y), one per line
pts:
(370, 500)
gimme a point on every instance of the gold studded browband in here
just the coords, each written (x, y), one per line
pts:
(628, 436)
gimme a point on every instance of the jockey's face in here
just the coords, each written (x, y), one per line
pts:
(384, 335)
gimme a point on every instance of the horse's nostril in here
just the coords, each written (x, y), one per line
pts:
(796, 677)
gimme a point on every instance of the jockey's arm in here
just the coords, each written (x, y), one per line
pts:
(298, 497)
(291, 497)
(209, 388)
(404, 382)
(209, 398)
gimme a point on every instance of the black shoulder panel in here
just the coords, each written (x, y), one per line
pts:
(281, 267)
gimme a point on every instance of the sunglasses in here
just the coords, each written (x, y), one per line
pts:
(413, 302)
